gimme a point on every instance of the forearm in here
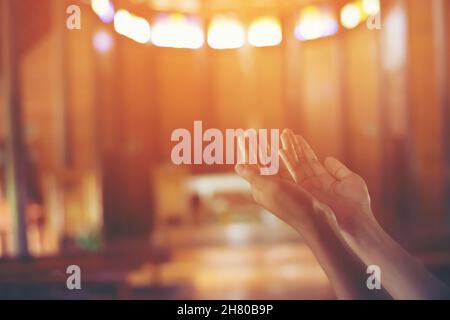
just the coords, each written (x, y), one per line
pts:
(346, 272)
(403, 276)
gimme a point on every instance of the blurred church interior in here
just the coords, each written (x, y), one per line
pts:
(86, 117)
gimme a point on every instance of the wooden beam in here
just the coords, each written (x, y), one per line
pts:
(15, 149)
(426, 109)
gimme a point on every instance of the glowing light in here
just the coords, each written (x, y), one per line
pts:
(171, 5)
(314, 24)
(371, 7)
(351, 16)
(329, 25)
(178, 31)
(104, 9)
(103, 41)
(264, 32)
(395, 54)
(225, 33)
(131, 26)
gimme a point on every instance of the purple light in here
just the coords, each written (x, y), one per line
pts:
(103, 41)
(104, 10)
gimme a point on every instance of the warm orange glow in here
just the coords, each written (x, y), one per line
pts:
(177, 31)
(371, 7)
(131, 26)
(314, 24)
(225, 33)
(104, 9)
(103, 41)
(351, 16)
(264, 32)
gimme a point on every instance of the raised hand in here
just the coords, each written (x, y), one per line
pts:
(330, 206)
(331, 183)
(315, 221)
(281, 195)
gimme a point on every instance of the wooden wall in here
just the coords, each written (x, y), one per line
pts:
(374, 98)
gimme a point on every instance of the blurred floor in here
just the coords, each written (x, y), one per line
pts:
(238, 261)
(197, 267)
(282, 271)
(190, 262)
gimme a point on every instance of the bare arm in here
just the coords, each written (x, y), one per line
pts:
(346, 194)
(403, 276)
(345, 270)
(317, 225)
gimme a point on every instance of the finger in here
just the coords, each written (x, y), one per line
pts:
(303, 165)
(337, 169)
(242, 150)
(286, 159)
(308, 152)
(252, 150)
(247, 150)
(246, 172)
(283, 170)
(296, 157)
(298, 148)
(288, 144)
(310, 157)
(260, 184)
(283, 198)
(295, 173)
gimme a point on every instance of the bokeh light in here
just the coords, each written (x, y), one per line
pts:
(131, 26)
(315, 23)
(351, 16)
(371, 7)
(178, 31)
(103, 41)
(265, 32)
(225, 33)
(104, 9)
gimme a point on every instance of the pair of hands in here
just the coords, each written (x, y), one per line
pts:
(306, 193)
(322, 202)
(329, 206)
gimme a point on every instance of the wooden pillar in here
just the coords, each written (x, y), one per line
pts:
(397, 185)
(426, 108)
(446, 119)
(15, 149)
(291, 75)
(363, 115)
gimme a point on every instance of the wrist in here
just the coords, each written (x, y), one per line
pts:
(322, 227)
(364, 234)
(359, 222)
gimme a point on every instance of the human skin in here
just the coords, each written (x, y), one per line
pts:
(317, 224)
(347, 195)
